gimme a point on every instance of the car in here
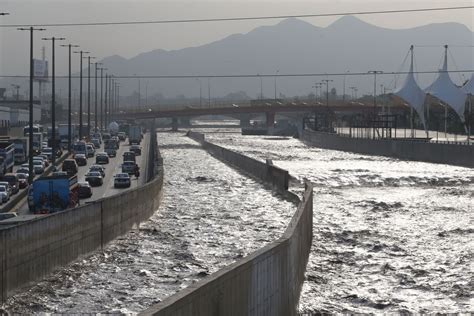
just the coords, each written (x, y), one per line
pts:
(22, 180)
(90, 150)
(12, 179)
(129, 156)
(122, 136)
(80, 159)
(98, 168)
(41, 159)
(129, 167)
(23, 169)
(70, 166)
(4, 194)
(45, 159)
(96, 142)
(8, 186)
(122, 180)
(38, 166)
(136, 149)
(84, 190)
(48, 151)
(111, 152)
(94, 178)
(102, 158)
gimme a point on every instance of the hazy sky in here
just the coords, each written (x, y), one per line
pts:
(129, 41)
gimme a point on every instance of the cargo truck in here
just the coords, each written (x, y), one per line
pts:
(37, 143)
(63, 131)
(52, 194)
(134, 135)
(7, 160)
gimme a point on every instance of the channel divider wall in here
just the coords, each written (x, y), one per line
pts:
(266, 282)
(451, 154)
(32, 250)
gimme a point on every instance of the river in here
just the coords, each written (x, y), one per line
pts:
(211, 215)
(389, 235)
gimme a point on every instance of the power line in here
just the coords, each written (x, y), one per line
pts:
(271, 17)
(385, 73)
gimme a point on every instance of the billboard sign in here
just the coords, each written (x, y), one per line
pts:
(40, 70)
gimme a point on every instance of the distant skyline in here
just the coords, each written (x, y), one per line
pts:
(129, 41)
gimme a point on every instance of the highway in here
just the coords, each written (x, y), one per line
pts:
(112, 168)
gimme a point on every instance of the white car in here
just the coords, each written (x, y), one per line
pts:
(122, 180)
(38, 166)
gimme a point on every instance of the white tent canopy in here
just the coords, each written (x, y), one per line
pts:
(412, 94)
(445, 90)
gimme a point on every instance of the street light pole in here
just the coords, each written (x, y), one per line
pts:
(89, 94)
(96, 95)
(105, 99)
(200, 91)
(69, 127)
(344, 87)
(31, 119)
(276, 84)
(102, 98)
(53, 97)
(209, 90)
(375, 72)
(327, 81)
(80, 92)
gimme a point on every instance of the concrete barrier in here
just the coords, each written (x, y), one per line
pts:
(266, 172)
(267, 282)
(32, 250)
(457, 155)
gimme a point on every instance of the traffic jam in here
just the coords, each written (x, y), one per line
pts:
(77, 177)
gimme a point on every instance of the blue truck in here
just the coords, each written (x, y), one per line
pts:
(53, 194)
(7, 159)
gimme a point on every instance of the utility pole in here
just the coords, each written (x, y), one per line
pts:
(80, 92)
(53, 97)
(31, 119)
(69, 128)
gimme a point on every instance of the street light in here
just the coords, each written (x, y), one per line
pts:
(96, 89)
(89, 94)
(209, 90)
(102, 97)
(53, 97)
(276, 75)
(375, 72)
(327, 81)
(80, 92)
(344, 87)
(69, 129)
(200, 91)
(30, 128)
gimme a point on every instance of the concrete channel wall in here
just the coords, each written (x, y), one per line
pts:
(266, 172)
(458, 155)
(30, 251)
(267, 282)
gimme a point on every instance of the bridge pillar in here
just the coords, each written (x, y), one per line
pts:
(244, 120)
(174, 124)
(270, 119)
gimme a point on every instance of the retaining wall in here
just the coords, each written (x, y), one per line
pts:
(266, 172)
(267, 282)
(32, 250)
(458, 155)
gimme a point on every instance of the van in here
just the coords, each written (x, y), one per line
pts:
(70, 166)
(13, 180)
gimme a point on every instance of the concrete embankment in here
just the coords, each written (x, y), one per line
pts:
(34, 249)
(457, 155)
(268, 281)
(265, 172)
